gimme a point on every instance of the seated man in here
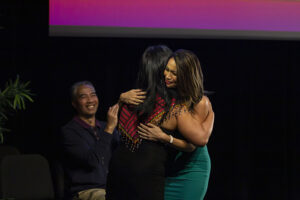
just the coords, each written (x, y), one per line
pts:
(87, 145)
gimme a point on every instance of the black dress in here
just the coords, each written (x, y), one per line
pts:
(138, 175)
(137, 167)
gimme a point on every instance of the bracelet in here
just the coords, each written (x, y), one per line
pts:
(171, 139)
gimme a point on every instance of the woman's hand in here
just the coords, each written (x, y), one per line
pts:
(134, 97)
(152, 132)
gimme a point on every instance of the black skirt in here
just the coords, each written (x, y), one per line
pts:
(138, 175)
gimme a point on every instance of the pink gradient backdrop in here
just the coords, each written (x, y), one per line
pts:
(265, 15)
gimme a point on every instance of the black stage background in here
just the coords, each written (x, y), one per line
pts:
(254, 147)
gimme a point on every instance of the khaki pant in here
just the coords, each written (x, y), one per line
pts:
(91, 194)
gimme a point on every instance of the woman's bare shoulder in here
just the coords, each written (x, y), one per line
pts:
(203, 104)
(202, 108)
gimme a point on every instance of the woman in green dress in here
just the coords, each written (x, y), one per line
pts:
(189, 162)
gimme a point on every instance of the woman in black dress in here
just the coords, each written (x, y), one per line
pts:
(137, 168)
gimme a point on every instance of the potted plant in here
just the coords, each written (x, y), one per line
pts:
(12, 98)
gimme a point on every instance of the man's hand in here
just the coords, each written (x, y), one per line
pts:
(112, 118)
(134, 97)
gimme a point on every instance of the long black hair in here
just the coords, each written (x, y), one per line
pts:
(150, 79)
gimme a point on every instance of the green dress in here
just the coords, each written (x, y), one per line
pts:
(188, 175)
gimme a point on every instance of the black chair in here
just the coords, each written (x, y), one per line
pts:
(8, 150)
(25, 177)
(57, 172)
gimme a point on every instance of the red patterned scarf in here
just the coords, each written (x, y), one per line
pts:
(128, 122)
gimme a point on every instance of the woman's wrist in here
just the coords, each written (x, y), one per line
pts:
(171, 139)
(167, 139)
(122, 98)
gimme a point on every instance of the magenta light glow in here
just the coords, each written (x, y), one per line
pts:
(241, 15)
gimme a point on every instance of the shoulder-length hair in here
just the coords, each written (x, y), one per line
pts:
(189, 77)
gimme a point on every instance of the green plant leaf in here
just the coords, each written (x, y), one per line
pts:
(13, 97)
(23, 103)
(15, 102)
(26, 84)
(5, 90)
(17, 81)
(19, 102)
(28, 97)
(3, 115)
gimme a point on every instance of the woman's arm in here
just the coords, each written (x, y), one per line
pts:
(154, 133)
(133, 97)
(197, 126)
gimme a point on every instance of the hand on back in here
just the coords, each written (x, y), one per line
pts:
(133, 97)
